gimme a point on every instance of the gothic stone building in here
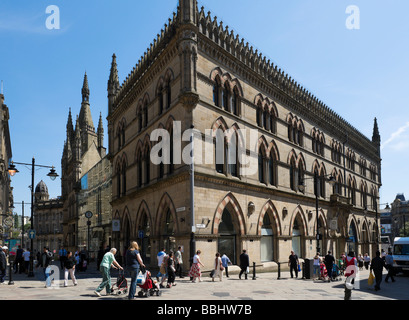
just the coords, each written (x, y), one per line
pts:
(197, 73)
(6, 194)
(84, 157)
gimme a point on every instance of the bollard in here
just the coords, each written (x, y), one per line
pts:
(254, 271)
(11, 282)
(279, 270)
(303, 270)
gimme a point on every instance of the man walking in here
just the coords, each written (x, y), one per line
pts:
(293, 264)
(45, 261)
(329, 263)
(160, 257)
(225, 263)
(389, 266)
(19, 260)
(62, 256)
(179, 262)
(377, 266)
(244, 264)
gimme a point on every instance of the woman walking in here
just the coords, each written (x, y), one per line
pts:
(108, 261)
(218, 268)
(133, 265)
(195, 269)
(171, 270)
(69, 268)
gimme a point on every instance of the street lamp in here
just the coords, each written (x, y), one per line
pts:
(332, 181)
(53, 175)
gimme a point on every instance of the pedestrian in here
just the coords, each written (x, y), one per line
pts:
(329, 263)
(26, 257)
(377, 265)
(77, 261)
(389, 266)
(3, 265)
(44, 262)
(171, 270)
(133, 266)
(316, 266)
(360, 262)
(244, 264)
(19, 260)
(164, 270)
(161, 254)
(108, 261)
(195, 269)
(367, 261)
(179, 262)
(218, 268)
(69, 268)
(225, 263)
(62, 254)
(293, 264)
(83, 259)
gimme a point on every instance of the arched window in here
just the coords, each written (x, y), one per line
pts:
(260, 115)
(273, 123)
(160, 97)
(216, 90)
(220, 151)
(266, 118)
(139, 168)
(145, 114)
(124, 179)
(118, 185)
(272, 170)
(161, 165)
(233, 155)
(168, 94)
(140, 122)
(235, 102)
(293, 176)
(225, 97)
(261, 166)
(147, 165)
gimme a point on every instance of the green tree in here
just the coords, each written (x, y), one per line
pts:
(404, 231)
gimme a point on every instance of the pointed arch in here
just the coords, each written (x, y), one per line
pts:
(229, 199)
(298, 212)
(269, 207)
(165, 204)
(143, 208)
(220, 123)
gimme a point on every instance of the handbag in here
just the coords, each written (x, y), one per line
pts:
(212, 273)
(371, 279)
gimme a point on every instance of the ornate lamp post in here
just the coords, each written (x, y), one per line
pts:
(53, 175)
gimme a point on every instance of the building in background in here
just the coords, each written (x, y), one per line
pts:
(400, 216)
(48, 220)
(6, 194)
(198, 73)
(83, 155)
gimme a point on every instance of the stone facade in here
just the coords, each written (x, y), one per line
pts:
(6, 193)
(48, 220)
(199, 74)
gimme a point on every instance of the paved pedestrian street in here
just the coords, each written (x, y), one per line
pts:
(265, 287)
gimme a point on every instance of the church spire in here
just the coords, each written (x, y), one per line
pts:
(376, 137)
(85, 89)
(100, 132)
(113, 84)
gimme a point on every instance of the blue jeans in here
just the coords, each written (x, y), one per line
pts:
(106, 280)
(132, 289)
(47, 276)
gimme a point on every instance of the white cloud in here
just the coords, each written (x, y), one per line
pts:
(396, 135)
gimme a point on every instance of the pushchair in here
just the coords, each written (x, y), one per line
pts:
(121, 285)
(148, 286)
(336, 273)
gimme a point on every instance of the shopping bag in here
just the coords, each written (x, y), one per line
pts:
(371, 279)
(299, 268)
(140, 280)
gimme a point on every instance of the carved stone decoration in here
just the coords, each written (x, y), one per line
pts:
(251, 208)
(285, 213)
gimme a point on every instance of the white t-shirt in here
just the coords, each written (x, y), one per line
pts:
(161, 255)
(196, 259)
(26, 255)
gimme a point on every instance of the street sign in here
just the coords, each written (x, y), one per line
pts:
(31, 234)
(200, 226)
(88, 214)
(141, 234)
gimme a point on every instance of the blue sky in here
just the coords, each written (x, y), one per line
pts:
(360, 74)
